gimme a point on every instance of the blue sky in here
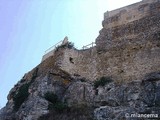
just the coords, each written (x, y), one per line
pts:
(29, 27)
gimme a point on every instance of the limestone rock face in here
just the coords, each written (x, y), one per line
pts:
(84, 100)
(135, 97)
(32, 108)
(118, 79)
(79, 93)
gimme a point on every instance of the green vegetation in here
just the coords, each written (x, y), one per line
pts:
(51, 97)
(58, 106)
(55, 103)
(21, 96)
(23, 93)
(69, 45)
(102, 81)
(77, 112)
(83, 80)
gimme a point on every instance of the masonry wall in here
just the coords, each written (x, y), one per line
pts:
(51, 53)
(129, 13)
(83, 62)
(124, 52)
(130, 63)
(134, 46)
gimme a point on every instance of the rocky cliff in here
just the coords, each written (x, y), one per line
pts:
(118, 79)
(49, 93)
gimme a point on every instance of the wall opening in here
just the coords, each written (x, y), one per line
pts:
(71, 60)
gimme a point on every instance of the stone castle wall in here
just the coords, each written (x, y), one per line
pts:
(51, 53)
(84, 62)
(134, 44)
(130, 63)
(129, 13)
(125, 51)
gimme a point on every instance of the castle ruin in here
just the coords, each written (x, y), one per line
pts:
(127, 48)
